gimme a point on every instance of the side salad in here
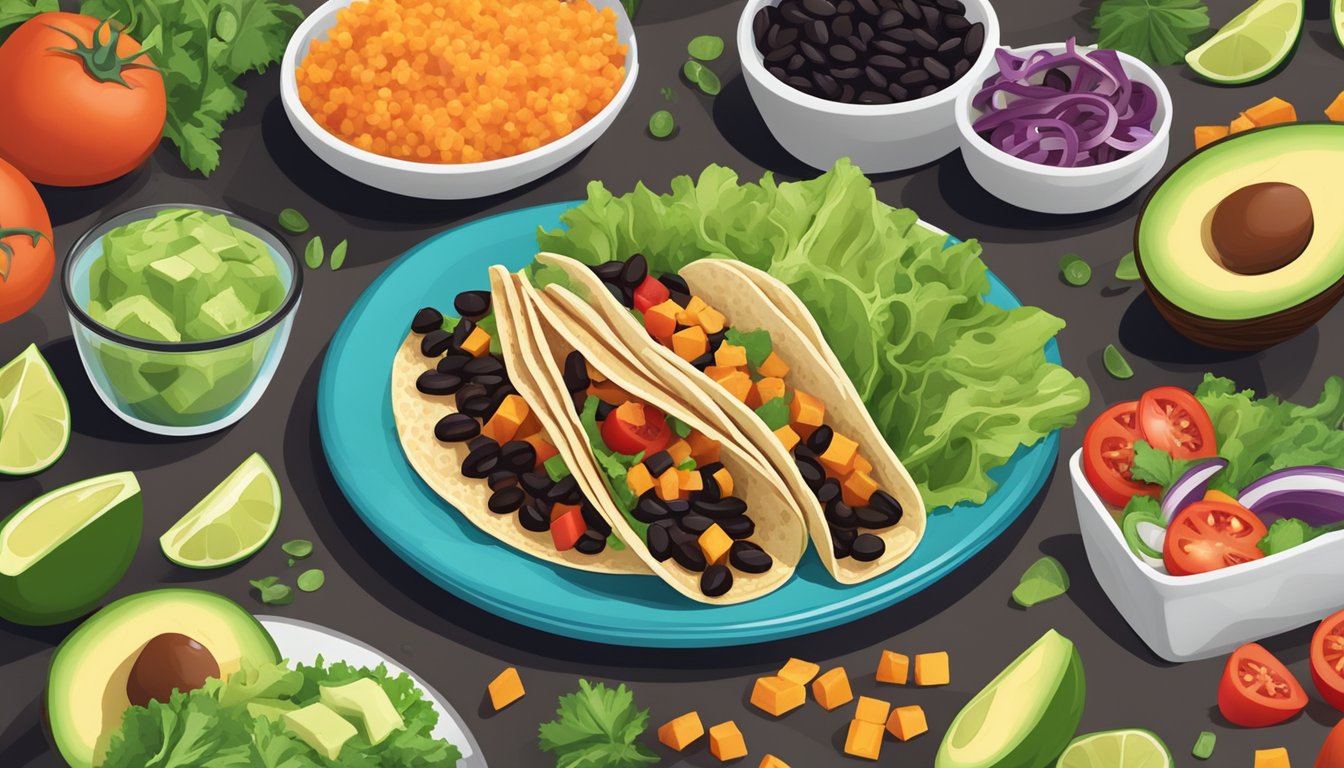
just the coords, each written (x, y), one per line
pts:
(1218, 477)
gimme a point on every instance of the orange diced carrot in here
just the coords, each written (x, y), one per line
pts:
(770, 761)
(679, 450)
(1242, 123)
(726, 742)
(691, 314)
(593, 373)
(690, 480)
(715, 544)
(721, 372)
(544, 448)
(690, 343)
(932, 669)
(799, 671)
(506, 688)
(503, 426)
(668, 488)
(770, 388)
(872, 710)
(704, 449)
(630, 412)
(774, 366)
(806, 412)
(738, 385)
(861, 464)
(1336, 109)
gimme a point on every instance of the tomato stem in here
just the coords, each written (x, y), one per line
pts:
(100, 59)
(7, 251)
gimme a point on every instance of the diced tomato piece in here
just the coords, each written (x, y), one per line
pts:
(568, 527)
(650, 293)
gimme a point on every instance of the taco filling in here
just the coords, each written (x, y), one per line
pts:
(508, 446)
(666, 479)
(747, 366)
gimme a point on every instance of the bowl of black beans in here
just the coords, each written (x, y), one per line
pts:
(872, 80)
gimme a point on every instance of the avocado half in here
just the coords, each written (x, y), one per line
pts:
(1190, 287)
(86, 686)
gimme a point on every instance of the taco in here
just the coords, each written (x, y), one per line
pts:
(695, 503)
(740, 337)
(489, 451)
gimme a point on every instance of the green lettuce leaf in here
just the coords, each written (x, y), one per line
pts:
(956, 385)
(15, 12)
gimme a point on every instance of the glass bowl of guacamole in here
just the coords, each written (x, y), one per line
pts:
(181, 314)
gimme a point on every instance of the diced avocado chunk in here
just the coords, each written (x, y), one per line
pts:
(273, 709)
(138, 316)
(320, 728)
(221, 315)
(366, 701)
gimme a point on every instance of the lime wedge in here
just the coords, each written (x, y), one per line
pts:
(235, 520)
(1132, 748)
(1252, 45)
(63, 551)
(1337, 19)
(34, 415)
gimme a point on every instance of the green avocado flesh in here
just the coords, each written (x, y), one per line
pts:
(1174, 246)
(1025, 717)
(86, 687)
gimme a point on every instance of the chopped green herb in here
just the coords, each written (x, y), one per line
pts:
(598, 726)
(293, 222)
(272, 591)
(298, 548)
(291, 562)
(311, 580)
(615, 543)
(314, 253)
(687, 464)
(1116, 364)
(705, 47)
(1128, 268)
(775, 413)
(614, 466)
(668, 94)
(1204, 745)
(449, 323)
(757, 344)
(1160, 32)
(556, 468)
(1046, 579)
(1076, 272)
(682, 429)
(662, 124)
(338, 255)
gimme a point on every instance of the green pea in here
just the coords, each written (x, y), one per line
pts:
(662, 124)
(311, 580)
(706, 47)
(1116, 364)
(1076, 272)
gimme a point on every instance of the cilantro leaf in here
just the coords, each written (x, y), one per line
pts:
(1160, 32)
(775, 413)
(1289, 532)
(597, 727)
(615, 466)
(757, 343)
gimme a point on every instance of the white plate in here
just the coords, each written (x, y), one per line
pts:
(302, 642)
(1184, 618)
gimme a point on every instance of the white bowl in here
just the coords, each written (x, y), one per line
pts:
(442, 181)
(1049, 189)
(878, 138)
(1184, 618)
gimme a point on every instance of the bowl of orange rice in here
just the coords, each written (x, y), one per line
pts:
(456, 100)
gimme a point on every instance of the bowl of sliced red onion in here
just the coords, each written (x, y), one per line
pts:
(1063, 128)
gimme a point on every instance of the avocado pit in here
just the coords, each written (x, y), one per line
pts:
(1261, 227)
(169, 662)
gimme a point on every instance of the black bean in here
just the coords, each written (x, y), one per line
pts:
(537, 484)
(760, 26)
(846, 73)
(748, 557)
(776, 56)
(932, 19)
(696, 524)
(566, 491)
(925, 40)
(483, 366)
(778, 72)
(841, 515)
(438, 384)
(456, 427)
(817, 32)
(716, 340)
(914, 77)
(591, 543)
(910, 8)
(659, 463)
(740, 527)
(636, 269)
(609, 271)
(820, 439)
(901, 35)
(874, 97)
(426, 320)
(686, 550)
(650, 509)
(858, 44)
(472, 304)
(891, 48)
(829, 491)
(869, 7)
(866, 32)
(928, 90)
(436, 342)
(952, 6)
(706, 360)
(842, 26)
(822, 9)
(956, 22)
(675, 283)
(660, 543)
(888, 505)
(491, 383)
(506, 500)
(795, 63)
(709, 491)
(480, 462)
(876, 78)
(518, 455)
(812, 53)
(975, 40)
(811, 472)
(950, 50)
(594, 518)
(842, 53)
(576, 373)
(794, 14)
(842, 541)
(678, 507)
(535, 516)
(826, 85)
(720, 509)
(604, 410)
(867, 547)
(478, 442)
(937, 69)
(502, 479)
(453, 362)
(462, 330)
(845, 7)
(871, 517)
(898, 92)
(716, 581)
(960, 69)
(888, 63)
(891, 19)
(476, 405)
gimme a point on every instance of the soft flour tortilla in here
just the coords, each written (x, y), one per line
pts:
(440, 466)
(735, 290)
(780, 528)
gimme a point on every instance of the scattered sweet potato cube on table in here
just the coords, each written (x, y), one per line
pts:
(906, 723)
(505, 689)
(799, 671)
(1207, 134)
(777, 695)
(770, 761)
(1272, 111)
(1271, 758)
(932, 669)
(680, 732)
(1336, 109)
(832, 689)
(871, 710)
(893, 668)
(726, 742)
(864, 739)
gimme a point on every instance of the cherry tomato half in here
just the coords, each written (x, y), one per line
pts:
(1257, 690)
(1332, 754)
(1208, 535)
(1327, 663)
(1108, 455)
(648, 438)
(650, 293)
(1172, 420)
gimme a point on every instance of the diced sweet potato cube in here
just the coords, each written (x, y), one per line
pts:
(861, 464)
(726, 742)
(477, 342)
(730, 356)
(661, 320)
(788, 437)
(503, 426)
(721, 372)
(893, 668)
(669, 489)
(690, 343)
(1272, 111)
(544, 448)
(1207, 134)
(864, 739)
(872, 710)
(631, 413)
(681, 732)
(832, 689)
(799, 671)
(1336, 109)
(1272, 758)
(679, 450)
(1242, 123)
(724, 478)
(593, 373)
(838, 458)
(738, 385)
(691, 314)
(806, 411)
(857, 488)
(906, 723)
(770, 388)
(531, 425)
(607, 392)
(776, 695)
(932, 669)
(505, 689)
(639, 480)
(753, 400)
(715, 544)
(774, 366)
(770, 761)
(704, 449)
(712, 320)
(690, 480)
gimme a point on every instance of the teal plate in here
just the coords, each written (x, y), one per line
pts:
(360, 441)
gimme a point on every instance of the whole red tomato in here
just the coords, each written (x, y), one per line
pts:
(82, 104)
(26, 254)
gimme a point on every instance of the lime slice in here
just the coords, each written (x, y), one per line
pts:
(63, 551)
(1132, 748)
(235, 520)
(1337, 19)
(1252, 45)
(34, 415)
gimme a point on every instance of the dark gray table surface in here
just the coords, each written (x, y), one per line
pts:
(458, 648)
